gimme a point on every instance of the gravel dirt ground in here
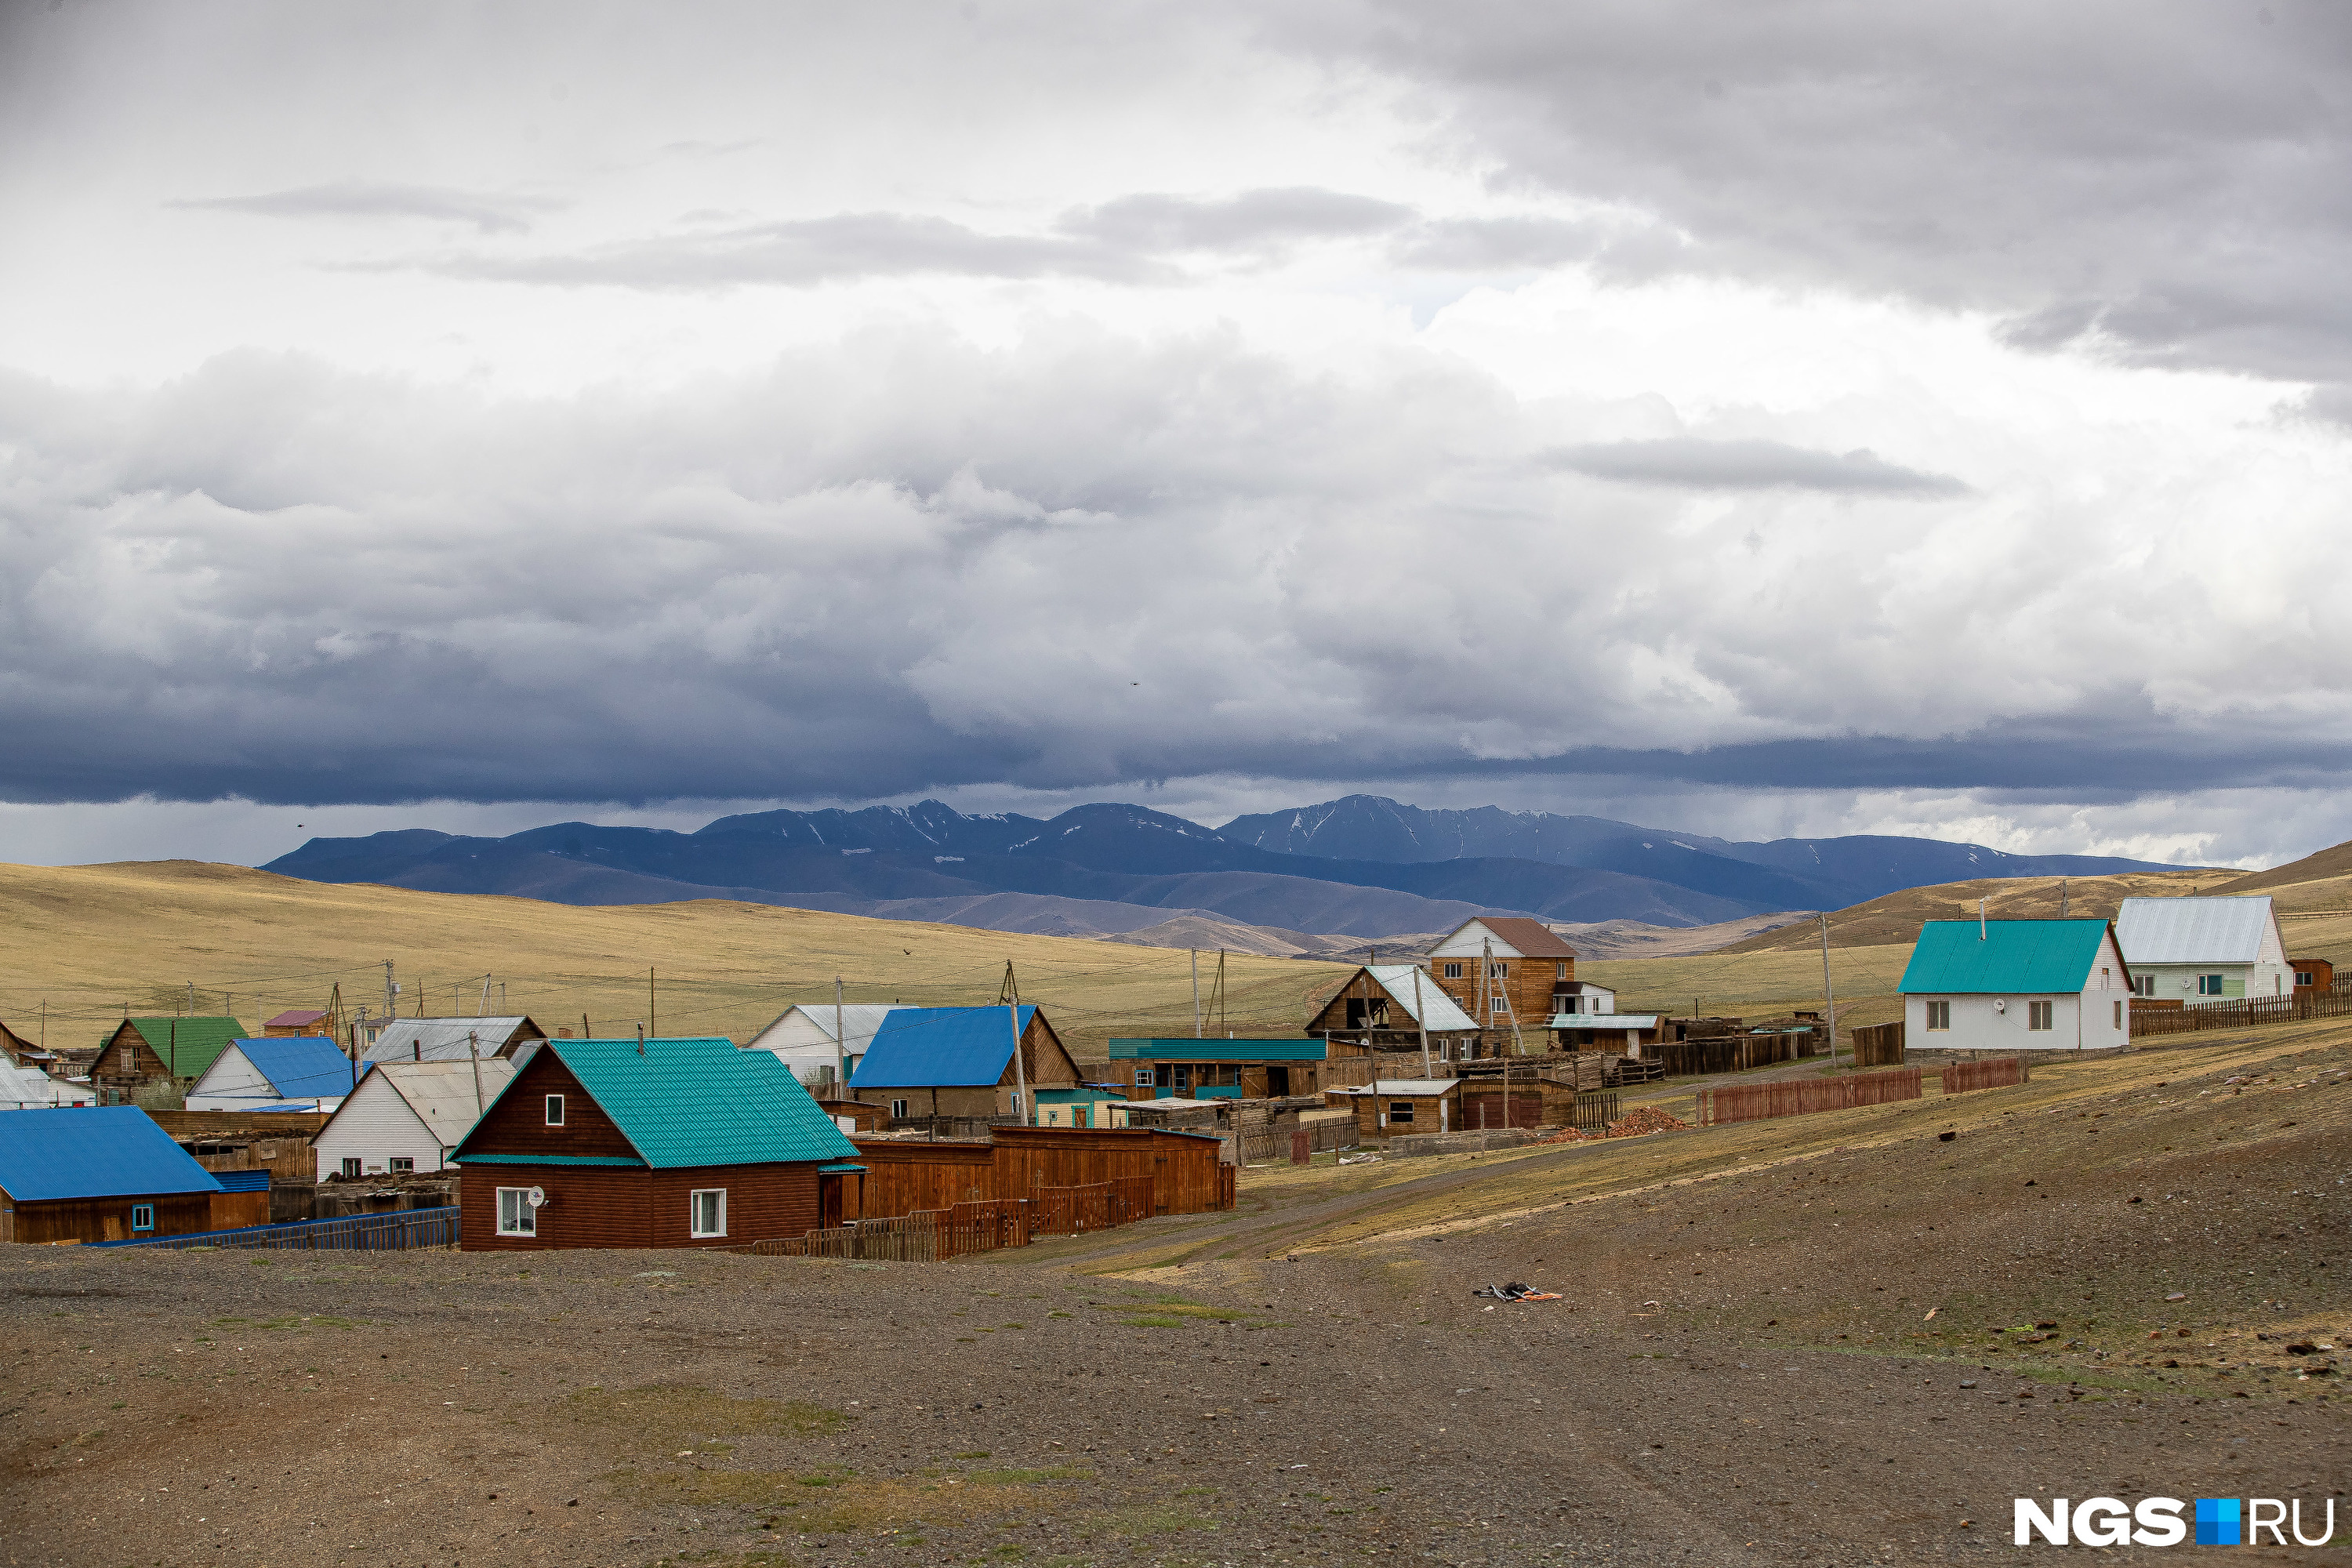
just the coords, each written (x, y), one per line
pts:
(1831, 1338)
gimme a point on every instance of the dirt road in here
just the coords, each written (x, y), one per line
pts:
(1745, 1369)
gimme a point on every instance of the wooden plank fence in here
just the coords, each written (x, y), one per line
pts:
(401, 1232)
(936, 1236)
(2244, 1014)
(1999, 1072)
(1732, 1052)
(1760, 1101)
(1878, 1044)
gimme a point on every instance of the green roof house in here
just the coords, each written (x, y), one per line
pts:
(156, 1051)
(660, 1143)
(2016, 986)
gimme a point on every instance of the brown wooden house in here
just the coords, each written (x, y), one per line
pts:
(103, 1173)
(2312, 974)
(1388, 1005)
(660, 1143)
(1502, 969)
(162, 1050)
(958, 1061)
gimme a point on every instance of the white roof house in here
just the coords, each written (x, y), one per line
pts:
(445, 1039)
(1444, 1015)
(30, 1089)
(407, 1116)
(2202, 951)
(801, 1036)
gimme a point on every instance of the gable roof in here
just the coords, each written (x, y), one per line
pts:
(2011, 958)
(296, 1018)
(1532, 938)
(441, 1094)
(858, 1021)
(2193, 931)
(300, 1066)
(698, 1102)
(941, 1047)
(97, 1152)
(444, 1039)
(1445, 1014)
(187, 1046)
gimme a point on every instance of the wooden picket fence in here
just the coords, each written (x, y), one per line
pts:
(936, 1236)
(2244, 1014)
(1999, 1072)
(1802, 1097)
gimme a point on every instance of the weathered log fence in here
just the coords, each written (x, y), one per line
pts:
(1998, 1072)
(985, 1225)
(1878, 1044)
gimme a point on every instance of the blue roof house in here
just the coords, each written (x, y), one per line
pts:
(659, 1142)
(2016, 986)
(299, 1072)
(97, 1173)
(958, 1061)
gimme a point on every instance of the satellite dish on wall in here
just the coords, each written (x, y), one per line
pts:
(537, 1198)
(2000, 1006)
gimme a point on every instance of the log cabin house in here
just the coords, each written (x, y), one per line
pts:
(162, 1050)
(295, 1023)
(1188, 1067)
(1381, 1005)
(927, 1062)
(105, 1174)
(657, 1143)
(1503, 970)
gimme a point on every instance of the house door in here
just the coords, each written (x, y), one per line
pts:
(1277, 1081)
(828, 1202)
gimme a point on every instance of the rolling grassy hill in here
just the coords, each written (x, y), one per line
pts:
(89, 941)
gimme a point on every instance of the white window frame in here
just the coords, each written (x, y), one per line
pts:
(555, 1111)
(353, 1166)
(1498, 970)
(518, 1217)
(1495, 1005)
(1939, 1015)
(138, 1209)
(2041, 1017)
(400, 1165)
(694, 1212)
(1146, 1077)
(898, 1110)
(1452, 972)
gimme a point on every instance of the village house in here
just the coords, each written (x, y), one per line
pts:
(1503, 971)
(107, 1173)
(1385, 1005)
(451, 1040)
(162, 1050)
(1086, 1105)
(929, 1062)
(656, 1142)
(294, 1023)
(2012, 985)
(2202, 951)
(29, 1088)
(1229, 1068)
(405, 1118)
(2312, 973)
(304, 1073)
(822, 1049)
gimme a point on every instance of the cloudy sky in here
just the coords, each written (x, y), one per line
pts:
(1824, 417)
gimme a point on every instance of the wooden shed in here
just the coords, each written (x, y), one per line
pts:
(929, 1062)
(1183, 1066)
(659, 1142)
(103, 1173)
(904, 1176)
(2312, 974)
(1385, 1007)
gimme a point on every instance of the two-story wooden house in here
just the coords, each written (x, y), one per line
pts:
(1505, 971)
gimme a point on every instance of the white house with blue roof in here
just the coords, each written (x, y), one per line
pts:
(301, 1073)
(2016, 986)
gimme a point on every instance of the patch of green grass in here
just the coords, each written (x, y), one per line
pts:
(678, 1416)
(975, 1453)
(1019, 1478)
(1151, 1521)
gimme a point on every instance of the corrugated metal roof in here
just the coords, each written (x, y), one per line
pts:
(295, 1018)
(300, 1066)
(2012, 958)
(2192, 931)
(242, 1181)
(1602, 1021)
(939, 1048)
(1532, 938)
(1407, 1088)
(441, 1093)
(27, 1087)
(621, 1160)
(188, 1046)
(96, 1151)
(700, 1101)
(858, 1021)
(1445, 1015)
(441, 1039)
(1183, 1048)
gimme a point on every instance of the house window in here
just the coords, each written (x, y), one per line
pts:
(516, 1217)
(2208, 986)
(142, 1216)
(1495, 1004)
(2144, 984)
(2120, 1016)
(351, 1168)
(898, 1111)
(1399, 1113)
(555, 1111)
(1498, 971)
(1146, 1079)
(707, 1212)
(1940, 1015)
(2303, 978)
(401, 1166)
(1452, 972)
(1559, 970)
(2037, 1015)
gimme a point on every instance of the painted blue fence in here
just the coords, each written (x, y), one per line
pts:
(396, 1232)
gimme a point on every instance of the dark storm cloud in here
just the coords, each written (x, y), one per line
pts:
(369, 198)
(2173, 184)
(1691, 463)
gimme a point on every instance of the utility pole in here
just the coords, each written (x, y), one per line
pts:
(650, 1000)
(1485, 978)
(2061, 904)
(389, 992)
(1420, 1019)
(840, 1045)
(1828, 994)
(474, 1049)
(1020, 1069)
(1196, 992)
